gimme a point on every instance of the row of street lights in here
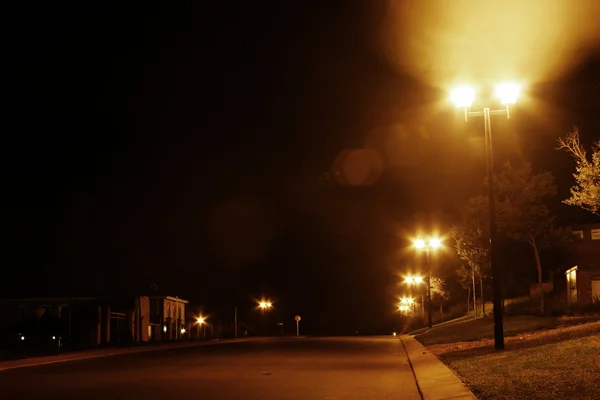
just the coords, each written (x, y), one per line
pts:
(202, 321)
(426, 245)
(463, 97)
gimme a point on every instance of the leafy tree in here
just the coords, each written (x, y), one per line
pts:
(439, 291)
(586, 191)
(465, 279)
(522, 212)
(471, 242)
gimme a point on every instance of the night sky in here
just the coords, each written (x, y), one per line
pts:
(192, 147)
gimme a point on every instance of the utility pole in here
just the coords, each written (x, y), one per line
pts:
(474, 292)
(429, 323)
(235, 323)
(176, 317)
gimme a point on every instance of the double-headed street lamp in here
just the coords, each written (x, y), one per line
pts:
(405, 305)
(463, 98)
(428, 246)
(416, 280)
(265, 305)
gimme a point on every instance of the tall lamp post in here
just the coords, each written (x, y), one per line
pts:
(429, 245)
(463, 98)
(265, 306)
(201, 321)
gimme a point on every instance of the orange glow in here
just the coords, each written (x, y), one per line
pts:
(419, 243)
(463, 96)
(507, 93)
(434, 243)
(442, 43)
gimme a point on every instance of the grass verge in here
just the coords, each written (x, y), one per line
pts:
(464, 330)
(559, 363)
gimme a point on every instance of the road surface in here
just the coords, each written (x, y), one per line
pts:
(278, 369)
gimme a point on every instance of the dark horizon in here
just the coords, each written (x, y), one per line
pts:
(193, 149)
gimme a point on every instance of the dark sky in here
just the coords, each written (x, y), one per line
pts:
(190, 145)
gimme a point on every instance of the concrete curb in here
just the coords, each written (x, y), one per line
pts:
(100, 353)
(434, 379)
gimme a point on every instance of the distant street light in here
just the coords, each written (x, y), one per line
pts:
(416, 280)
(406, 303)
(428, 245)
(413, 280)
(297, 318)
(201, 321)
(264, 305)
(463, 97)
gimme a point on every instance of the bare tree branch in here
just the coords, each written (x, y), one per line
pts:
(586, 191)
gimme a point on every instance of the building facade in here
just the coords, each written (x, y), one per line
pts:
(43, 325)
(583, 273)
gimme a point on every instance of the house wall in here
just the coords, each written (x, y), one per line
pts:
(145, 315)
(586, 252)
(170, 310)
(584, 284)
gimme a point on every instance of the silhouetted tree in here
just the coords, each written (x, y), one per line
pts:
(439, 291)
(463, 273)
(471, 241)
(521, 210)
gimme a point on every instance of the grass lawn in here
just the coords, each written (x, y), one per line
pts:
(560, 363)
(463, 330)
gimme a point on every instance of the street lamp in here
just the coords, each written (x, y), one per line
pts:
(428, 245)
(463, 97)
(405, 304)
(201, 321)
(264, 306)
(413, 280)
(416, 280)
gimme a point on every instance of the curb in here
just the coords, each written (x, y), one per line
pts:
(434, 379)
(101, 353)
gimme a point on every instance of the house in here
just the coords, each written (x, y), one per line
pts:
(50, 324)
(145, 319)
(583, 285)
(41, 325)
(583, 274)
(166, 318)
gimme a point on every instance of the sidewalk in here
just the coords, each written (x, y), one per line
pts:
(434, 380)
(98, 353)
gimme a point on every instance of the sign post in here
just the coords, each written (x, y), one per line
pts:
(297, 318)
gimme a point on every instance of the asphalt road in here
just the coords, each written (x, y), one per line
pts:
(281, 369)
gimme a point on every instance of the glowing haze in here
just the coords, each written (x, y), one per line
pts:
(442, 43)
